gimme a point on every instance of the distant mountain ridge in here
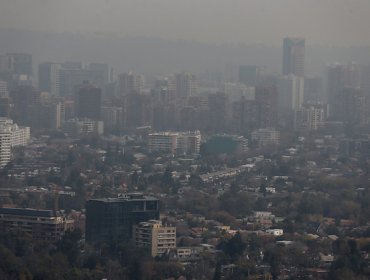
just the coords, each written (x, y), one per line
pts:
(156, 56)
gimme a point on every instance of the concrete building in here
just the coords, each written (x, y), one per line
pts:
(78, 127)
(290, 94)
(49, 77)
(175, 142)
(293, 56)
(11, 135)
(340, 76)
(4, 89)
(250, 75)
(235, 92)
(266, 136)
(159, 239)
(186, 85)
(111, 220)
(311, 116)
(88, 102)
(130, 83)
(46, 225)
(112, 118)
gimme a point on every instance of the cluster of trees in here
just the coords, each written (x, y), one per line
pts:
(27, 259)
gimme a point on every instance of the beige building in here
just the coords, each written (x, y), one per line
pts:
(155, 236)
(44, 225)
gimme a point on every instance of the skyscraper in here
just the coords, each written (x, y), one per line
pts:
(293, 56)
(290, 94)
(88, 102)
(49, 77)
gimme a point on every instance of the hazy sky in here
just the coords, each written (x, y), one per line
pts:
(327, 22)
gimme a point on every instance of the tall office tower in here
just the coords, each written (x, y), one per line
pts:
(49, 77)
(313, 90)
(338, 77)
(4, 107)
(4, 89)
(111, 220)
(138, 110)
(244, 115)
(155, 237)
(310, 117)
(112, 118)
(290, 94)
(293, 56)
(20, 63)
(26, 101)
(250, 75)
(88, 102)
(74, 74)
(186, 85)
(130, 83)
(164, 90)
(218, 112)
(16, 69)
(104, 68)
(350, 106)
(267, 106)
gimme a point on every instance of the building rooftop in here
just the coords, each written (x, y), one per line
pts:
(127, 197)
(29, 212)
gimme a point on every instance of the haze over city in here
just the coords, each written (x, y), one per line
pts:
(328, 22)
(185, 140)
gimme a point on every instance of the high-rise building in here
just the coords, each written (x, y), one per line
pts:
(111, 220)
(16, 69)
(186, 85)
(130, 83)
(88, 102)
(49, 77)
(250, 74)
(293, 56)
(267, 106)
(311, 116)
(11, 135)
(154, 236)
(20, 63)
(26, 101)
(340, 76)
(350, 106)
(4, 89)
(290, 94)
(70, 78)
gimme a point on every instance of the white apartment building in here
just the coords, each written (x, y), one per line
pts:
(11, 135)
(155, 236)
(175, 142)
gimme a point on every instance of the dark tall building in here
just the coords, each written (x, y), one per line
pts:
(112, 219)
(26, 101)
(266, 99)
(293, 56)
(88, 102)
